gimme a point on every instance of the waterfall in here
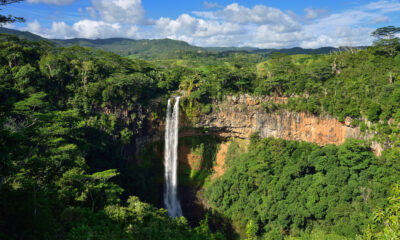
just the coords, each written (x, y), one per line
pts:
(171, 200)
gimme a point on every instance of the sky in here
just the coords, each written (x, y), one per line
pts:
(223, 23)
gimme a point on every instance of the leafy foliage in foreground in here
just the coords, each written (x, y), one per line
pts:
(291, 188)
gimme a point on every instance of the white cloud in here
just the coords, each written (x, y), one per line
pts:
(340, 29)
(234, 25)
(96, 29)
(379, 19)
(312, 13)
(91, 11)
(384, 6)
(8, 25)
(186, 24)
(56, 2)
(321, 40)
(120, 11)
(267, 36)
(210, 5)
(133, 32)
(58, 30)
(83, 29)
(61, 30)
(195, 30)
(34, 27)
(259, 14)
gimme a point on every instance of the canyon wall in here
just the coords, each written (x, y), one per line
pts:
(241, 116)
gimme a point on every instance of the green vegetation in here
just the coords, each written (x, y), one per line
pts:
(387, 221)
(344, 84)
(387, 40)
(74, 160)
(203, 147)
(169, 51)
(68, 116)
(144, 49)
(286, 188)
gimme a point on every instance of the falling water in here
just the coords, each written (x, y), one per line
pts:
(171, 200)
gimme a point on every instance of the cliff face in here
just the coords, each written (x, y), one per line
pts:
(241, 116)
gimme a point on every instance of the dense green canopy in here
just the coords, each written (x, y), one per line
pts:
(291, 188)
(69, 161)
(62, 139)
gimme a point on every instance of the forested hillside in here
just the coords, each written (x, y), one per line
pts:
(164, 49)
(282, 187)
(71, 166)
(60, 150)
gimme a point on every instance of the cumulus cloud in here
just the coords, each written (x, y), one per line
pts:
(341, 29)
(96, 29)
(56, 2)
(120, 11)
(60, 30)
(85, 28)
(188, 25)
(34, 27)
(133, 32)
(195, 30)
(266, 36)
(259, 14)
(233, 25)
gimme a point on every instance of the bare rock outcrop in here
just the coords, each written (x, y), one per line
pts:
(241, 116)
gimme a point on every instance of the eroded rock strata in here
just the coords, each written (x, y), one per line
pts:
(241, 116)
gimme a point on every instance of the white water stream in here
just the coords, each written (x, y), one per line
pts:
(171, 200)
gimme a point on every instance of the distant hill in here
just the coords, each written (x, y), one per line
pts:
(21, 34)
(147, 49)
(297, 50)
(231, 49)
(159, 48)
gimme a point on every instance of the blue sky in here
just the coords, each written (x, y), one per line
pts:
(264, 24)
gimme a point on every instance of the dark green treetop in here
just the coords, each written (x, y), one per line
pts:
(386, 38)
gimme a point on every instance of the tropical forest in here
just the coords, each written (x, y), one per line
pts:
(116, 137)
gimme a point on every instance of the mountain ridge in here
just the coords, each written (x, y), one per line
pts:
(160, 48)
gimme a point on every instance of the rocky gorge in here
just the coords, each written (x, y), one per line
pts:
(233, 121)
(238, 117)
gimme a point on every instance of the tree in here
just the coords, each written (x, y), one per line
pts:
(280, 70)
(374, 112)
(387, 220)
(386, 38)
(9, 18)
(251, 230)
